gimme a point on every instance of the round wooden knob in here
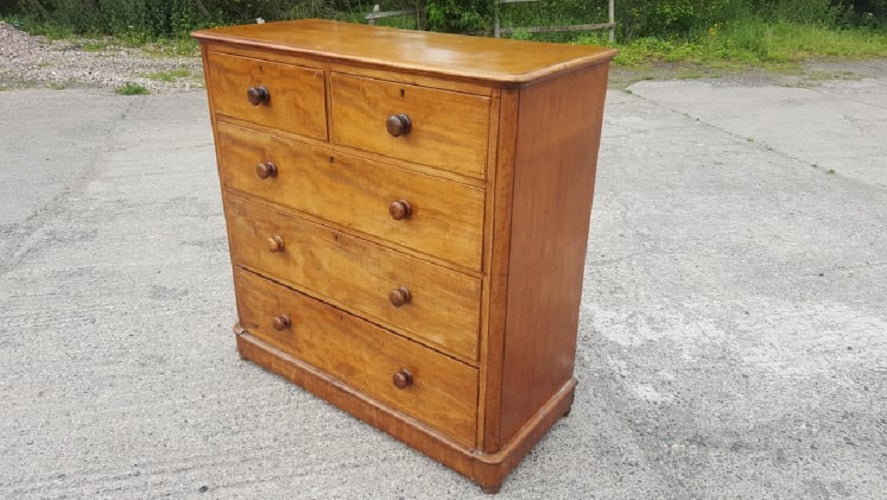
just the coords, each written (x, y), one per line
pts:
(402, 378)
(399, 296)
(400, 209)
(281, 322)
(275, 244)
(398, 125)
(265, 170)
(258, 95)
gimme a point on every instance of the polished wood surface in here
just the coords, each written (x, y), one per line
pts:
(438, 390)
(445, 129)
(487, 469)
(416, 258)
(552, 192)
(443, 218)
(498, 232)
(497, 62)
(435, 305)
(293, 96)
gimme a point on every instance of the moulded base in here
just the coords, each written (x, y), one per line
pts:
(486, 469)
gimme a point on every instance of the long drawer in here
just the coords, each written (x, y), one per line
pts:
(431, 387)
(427, 214)
(424, 301)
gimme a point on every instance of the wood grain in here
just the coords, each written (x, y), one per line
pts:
(296, 104)
(496, 62)
(413, 250)
(442, 392)
(554, 177)
(358, 276)
(496, 281)
(487, 469)
(448, 130)
(446, 219)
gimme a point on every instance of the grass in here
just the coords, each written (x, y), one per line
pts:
(170, 75)
(130, 88)
(753, 42)
(743, 43)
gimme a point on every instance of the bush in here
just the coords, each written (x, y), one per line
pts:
(668, 19)
(151, 18)
(459, 16)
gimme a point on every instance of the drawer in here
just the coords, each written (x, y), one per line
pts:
(293, 98)
(446, 129)
(439, 391)
(441, 307)
(445, 219)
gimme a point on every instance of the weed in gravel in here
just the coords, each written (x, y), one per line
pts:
(131, 88)
(172, 48)
(94, 45)
(169, 75)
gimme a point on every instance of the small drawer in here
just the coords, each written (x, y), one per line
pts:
(276, 95)
(430, 215)
(434, 127)
(424, 301)
(435, 389)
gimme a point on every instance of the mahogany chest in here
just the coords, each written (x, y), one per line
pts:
(407, 217)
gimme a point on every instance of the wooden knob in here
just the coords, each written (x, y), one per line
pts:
(281, 322)
(399, 296)
(402, 378)
(258, 95)
(265, 170)
(398, 125)
(400, 209)
(275, 244)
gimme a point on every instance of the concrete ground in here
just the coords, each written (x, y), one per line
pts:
(732, 343)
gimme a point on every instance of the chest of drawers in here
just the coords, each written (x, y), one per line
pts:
(408, 216)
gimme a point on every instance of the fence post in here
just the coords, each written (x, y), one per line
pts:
(612, 21)
(376, 10)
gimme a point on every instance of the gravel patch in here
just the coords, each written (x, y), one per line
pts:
(36, 61)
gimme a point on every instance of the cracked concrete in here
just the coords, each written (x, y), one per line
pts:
(733, 331)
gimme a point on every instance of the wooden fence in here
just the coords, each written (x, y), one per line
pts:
(498, 30)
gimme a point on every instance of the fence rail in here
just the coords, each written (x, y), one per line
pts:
(498, 30)
(377, 13)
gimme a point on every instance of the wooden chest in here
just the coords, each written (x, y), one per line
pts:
(407, 216)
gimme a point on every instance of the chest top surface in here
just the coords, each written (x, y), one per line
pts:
(498, 62)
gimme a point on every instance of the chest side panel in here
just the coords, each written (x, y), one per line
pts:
(554, 172)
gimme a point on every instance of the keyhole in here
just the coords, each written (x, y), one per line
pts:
(401, 92)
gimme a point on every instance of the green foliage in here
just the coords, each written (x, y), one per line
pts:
(729, 27)
(130, 88)
(685, 18)
(459, 16)
(752, 42)
(170, 75)
(148, 19)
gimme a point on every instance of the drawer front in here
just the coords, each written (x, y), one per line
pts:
(438, 391)
(295, 95)
(446, 129)
(445, 218)
(439, 306)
